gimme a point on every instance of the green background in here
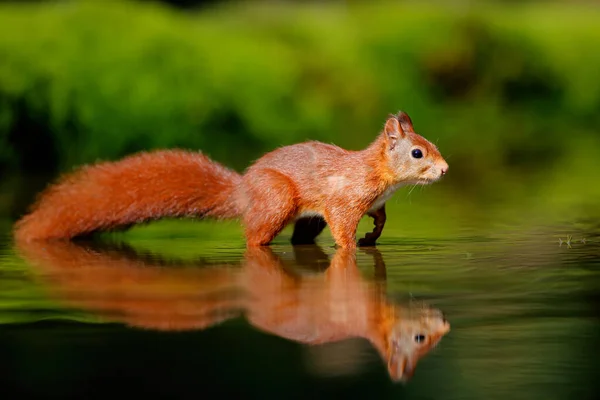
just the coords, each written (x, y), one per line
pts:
(509, 91)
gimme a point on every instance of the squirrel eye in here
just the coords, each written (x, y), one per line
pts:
(419, 338)
(416, 153)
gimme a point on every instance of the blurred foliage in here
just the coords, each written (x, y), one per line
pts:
(510, 93)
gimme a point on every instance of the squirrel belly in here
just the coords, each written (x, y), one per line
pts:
(309, 184)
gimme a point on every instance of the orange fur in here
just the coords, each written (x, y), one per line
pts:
(121, 285)
(292, 184)
(139, 188)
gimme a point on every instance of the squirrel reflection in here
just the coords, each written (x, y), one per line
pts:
(119, 284)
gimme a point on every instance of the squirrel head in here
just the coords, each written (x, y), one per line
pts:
(411, 339)
(411, 158)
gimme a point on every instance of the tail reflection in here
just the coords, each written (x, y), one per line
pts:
(143, 291)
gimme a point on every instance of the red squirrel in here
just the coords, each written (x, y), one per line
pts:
(311, 184)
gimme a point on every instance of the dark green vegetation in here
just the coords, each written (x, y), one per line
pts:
(509, 93)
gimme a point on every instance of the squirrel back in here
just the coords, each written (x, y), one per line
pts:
(139, 188)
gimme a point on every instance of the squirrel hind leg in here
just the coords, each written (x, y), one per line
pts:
(268, 211)
(307, 229)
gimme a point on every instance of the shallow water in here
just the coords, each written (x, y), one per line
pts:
(181, 309)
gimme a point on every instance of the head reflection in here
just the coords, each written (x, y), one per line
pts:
(330, 302)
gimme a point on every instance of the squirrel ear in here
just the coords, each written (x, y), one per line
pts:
(405, 121)
(393, 131)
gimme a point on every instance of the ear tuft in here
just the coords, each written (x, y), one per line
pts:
(393, 131)
(405, 121)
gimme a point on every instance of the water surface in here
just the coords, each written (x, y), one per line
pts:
(182, 309)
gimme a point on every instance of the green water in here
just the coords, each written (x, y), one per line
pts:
(159, 311)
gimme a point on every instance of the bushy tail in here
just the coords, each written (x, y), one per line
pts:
(136, 189)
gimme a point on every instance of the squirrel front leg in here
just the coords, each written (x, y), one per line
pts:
(343, 223)
(379, 218)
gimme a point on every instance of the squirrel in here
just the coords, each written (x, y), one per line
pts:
(292, 298)
(310, 184)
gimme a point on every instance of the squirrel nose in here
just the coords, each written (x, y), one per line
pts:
(444, 167)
